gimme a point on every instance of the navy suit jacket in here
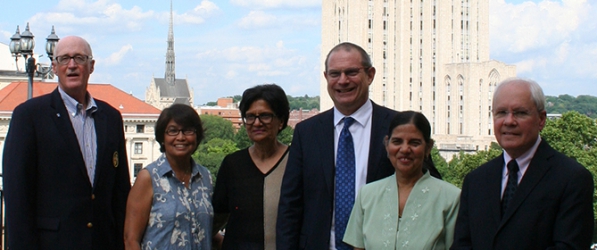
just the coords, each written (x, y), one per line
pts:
(307, 194)
(50, 202)
(551, 209)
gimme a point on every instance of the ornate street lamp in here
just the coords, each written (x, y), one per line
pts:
(23, 44)
(15, 46)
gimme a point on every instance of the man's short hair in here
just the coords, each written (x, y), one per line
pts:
(536, 91)
(365, 58)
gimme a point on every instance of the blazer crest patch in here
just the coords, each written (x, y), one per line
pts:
(115, 159)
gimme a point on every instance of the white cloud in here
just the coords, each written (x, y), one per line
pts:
(99, 14)
(197, 15)
(257, 19)
(529, 25)
(116, 57)
(189, 19)
(112, 17)
(231, 74)
(258, 4)
(5, 36)
(258, 67)
(248, 54)
(552, 42)
(206, 8)
(586, 61)
(243, 72)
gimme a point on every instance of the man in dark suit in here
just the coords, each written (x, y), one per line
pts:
(530, 197)
(306, 209)
(66, 176)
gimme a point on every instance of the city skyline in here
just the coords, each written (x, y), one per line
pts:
(224, 47)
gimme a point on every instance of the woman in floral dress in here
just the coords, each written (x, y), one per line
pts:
(169, 206)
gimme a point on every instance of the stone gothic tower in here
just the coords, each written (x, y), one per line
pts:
(163, 92)
(170, 73)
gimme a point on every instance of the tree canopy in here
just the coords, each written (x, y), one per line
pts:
(299, 102)
(583, 104)
(217, 127)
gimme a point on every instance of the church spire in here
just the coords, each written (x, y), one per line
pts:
(170, 59)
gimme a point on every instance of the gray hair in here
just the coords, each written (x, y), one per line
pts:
(536, 91)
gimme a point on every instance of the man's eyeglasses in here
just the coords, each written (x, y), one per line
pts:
(352, 72)
(265, 118)
(517, 114)
(79, 59)
(175, 132)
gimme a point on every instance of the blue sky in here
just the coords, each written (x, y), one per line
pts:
(225, 46)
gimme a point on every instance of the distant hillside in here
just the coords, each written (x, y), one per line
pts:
(584, 104)
(305, 102)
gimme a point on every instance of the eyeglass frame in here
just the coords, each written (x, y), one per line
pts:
(350, 72)
(255, 117)
(65, 59)
(516, 114)
(185, 131)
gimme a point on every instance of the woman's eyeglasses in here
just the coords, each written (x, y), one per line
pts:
(264, 118)
(175, 132)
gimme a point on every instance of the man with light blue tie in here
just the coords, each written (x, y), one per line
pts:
(332, 155)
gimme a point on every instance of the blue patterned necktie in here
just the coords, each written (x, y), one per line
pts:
(345, 178)
(511, 185)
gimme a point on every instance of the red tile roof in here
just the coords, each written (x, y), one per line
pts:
(16, 93)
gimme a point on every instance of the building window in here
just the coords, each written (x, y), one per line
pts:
(137, 168)
(140, 128)
(138, 148)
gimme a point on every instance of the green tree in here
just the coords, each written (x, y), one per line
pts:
(440, 164)
(242, 138)
(211, 154)
(584, 104)
(304, 102)
(285, 136)
(217, 127)
(463, 164)
(575, 135)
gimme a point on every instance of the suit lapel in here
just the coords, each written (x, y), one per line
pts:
(494, 187)
(324, 134)
(101, 131)
(537, 169)
(67, 133)
(380, 121)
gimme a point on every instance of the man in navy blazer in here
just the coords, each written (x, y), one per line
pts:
(66, 177)
(551, 205)
(306, 208)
